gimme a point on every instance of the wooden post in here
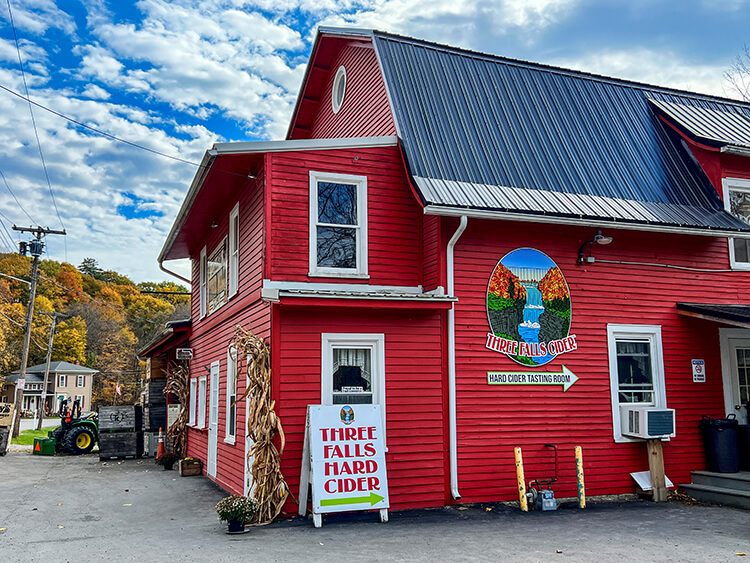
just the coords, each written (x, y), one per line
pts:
(656, 469)
(521, 480)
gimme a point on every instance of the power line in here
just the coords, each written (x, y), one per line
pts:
(33, 120)
(14, 197)
(118, 139)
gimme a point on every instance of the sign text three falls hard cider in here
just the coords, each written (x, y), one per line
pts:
(348, 458)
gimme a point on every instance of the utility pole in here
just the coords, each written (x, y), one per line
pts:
(43, 403)
(35, 248)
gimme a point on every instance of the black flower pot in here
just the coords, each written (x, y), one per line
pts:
(235, 527)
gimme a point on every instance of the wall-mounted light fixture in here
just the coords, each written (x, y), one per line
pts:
(215, 223)
(598, 238)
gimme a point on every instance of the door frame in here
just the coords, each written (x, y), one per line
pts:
(213, 421)
(725, 336)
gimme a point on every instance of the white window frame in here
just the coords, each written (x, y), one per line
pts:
(203, 282)
(193, 401)
(336, 101)
(233, 251)
(62, 380)
(230, 438)
(202, 402)
(645, 333)
(375, 343)
(219, 304)
(81, 381)
(736, 184)
(360, 271)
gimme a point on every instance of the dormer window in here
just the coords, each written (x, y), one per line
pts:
(338, 225)
(737, 202)
(338, 90)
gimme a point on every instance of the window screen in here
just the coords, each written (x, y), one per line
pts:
(634, 372)
(352, 376)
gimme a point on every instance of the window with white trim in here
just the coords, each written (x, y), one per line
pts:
(202, 389)
(216, 278)
(353, 370)
(737, 202)
(61, 380)
(193, 401)
(203, 288)
(338, 89)
(636, 370)
(338, 225)
(234, 249)
(231, 410)
(81, 382)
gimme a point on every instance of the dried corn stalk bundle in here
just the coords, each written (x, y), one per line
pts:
(178, 383)
(271, 490)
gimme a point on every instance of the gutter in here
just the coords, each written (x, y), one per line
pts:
(452, 359)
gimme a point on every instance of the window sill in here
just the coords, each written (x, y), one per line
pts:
(230, 440)
(350, 275)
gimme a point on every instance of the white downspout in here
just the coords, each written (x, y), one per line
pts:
(452, 359)
(171, 273)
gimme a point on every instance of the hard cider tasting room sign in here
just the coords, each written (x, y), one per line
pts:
(344, 460)
(529, 314)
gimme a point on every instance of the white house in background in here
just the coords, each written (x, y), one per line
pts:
(65, 380)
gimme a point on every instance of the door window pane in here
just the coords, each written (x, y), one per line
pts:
(634, 373)
(352, 376)
(743, 373)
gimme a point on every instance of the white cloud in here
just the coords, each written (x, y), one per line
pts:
(95, 92)
(37, 16)
(661, 68)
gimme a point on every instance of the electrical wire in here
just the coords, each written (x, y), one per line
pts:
(114, 137)
(671, 266)
(14, 197)
(33, 120)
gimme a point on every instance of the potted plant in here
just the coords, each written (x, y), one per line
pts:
(236, 511)
(190, 466)
(167, 460)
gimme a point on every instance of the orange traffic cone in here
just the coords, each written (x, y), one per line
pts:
(160, 446)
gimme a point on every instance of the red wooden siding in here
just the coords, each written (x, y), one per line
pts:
(494, 419)
(394, 217)
(365, 111)
(733, 166)
(211, 335)
(414, 360)
(433, 266)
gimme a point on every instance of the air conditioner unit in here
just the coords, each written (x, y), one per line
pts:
(647, 422)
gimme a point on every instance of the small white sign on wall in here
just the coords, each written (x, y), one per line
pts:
(699, 371)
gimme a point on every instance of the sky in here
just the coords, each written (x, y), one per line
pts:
(176, 77)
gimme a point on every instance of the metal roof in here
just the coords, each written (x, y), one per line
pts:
(481, 132)
(729, 126)
(65, 368)
(730, 314)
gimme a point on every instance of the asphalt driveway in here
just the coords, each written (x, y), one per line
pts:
(78, 509)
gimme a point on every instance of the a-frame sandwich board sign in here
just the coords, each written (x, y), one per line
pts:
(343, 458)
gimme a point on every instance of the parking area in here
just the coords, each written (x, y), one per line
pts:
(79, 509)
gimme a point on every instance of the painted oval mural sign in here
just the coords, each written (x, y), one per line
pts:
(528, 308)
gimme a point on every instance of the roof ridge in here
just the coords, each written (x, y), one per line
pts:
(552, 69)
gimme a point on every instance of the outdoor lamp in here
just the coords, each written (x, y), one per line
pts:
(598, 238)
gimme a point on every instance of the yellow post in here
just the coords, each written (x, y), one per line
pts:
(521, 481)
(579, 478)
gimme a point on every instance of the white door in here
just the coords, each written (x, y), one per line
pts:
(739, 361)
(213, 419)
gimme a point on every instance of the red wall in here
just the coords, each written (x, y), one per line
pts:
(394, 217)
(212, 334)
(365, 111)
(415, 401)
(492, 420)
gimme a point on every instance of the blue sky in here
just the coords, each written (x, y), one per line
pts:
(179, 76)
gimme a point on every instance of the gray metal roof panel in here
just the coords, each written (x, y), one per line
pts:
(473, 124)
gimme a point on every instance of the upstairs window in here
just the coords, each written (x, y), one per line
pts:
(737, 202)
(61, 381)
(216, 277)
(203, 274)
(338, 225)
(234, 250)
(81, 381)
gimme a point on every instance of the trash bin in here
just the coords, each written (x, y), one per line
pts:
(721, 443)
(743, 437)
(44, 446)
(4, 438)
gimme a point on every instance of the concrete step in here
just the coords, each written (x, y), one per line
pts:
(718, 495)
(737, 481)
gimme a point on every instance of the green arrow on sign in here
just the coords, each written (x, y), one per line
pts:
(372, 499)
(566, 378)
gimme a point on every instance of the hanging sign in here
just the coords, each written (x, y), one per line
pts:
(6, 414)
(184, 353)
(528, 309)
(344, 460)
(699, 371)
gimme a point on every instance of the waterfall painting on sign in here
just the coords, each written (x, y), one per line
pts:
(528, 308)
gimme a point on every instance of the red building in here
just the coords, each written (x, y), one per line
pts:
(426, 238)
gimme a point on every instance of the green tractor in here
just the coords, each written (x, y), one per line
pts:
(77, 433)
